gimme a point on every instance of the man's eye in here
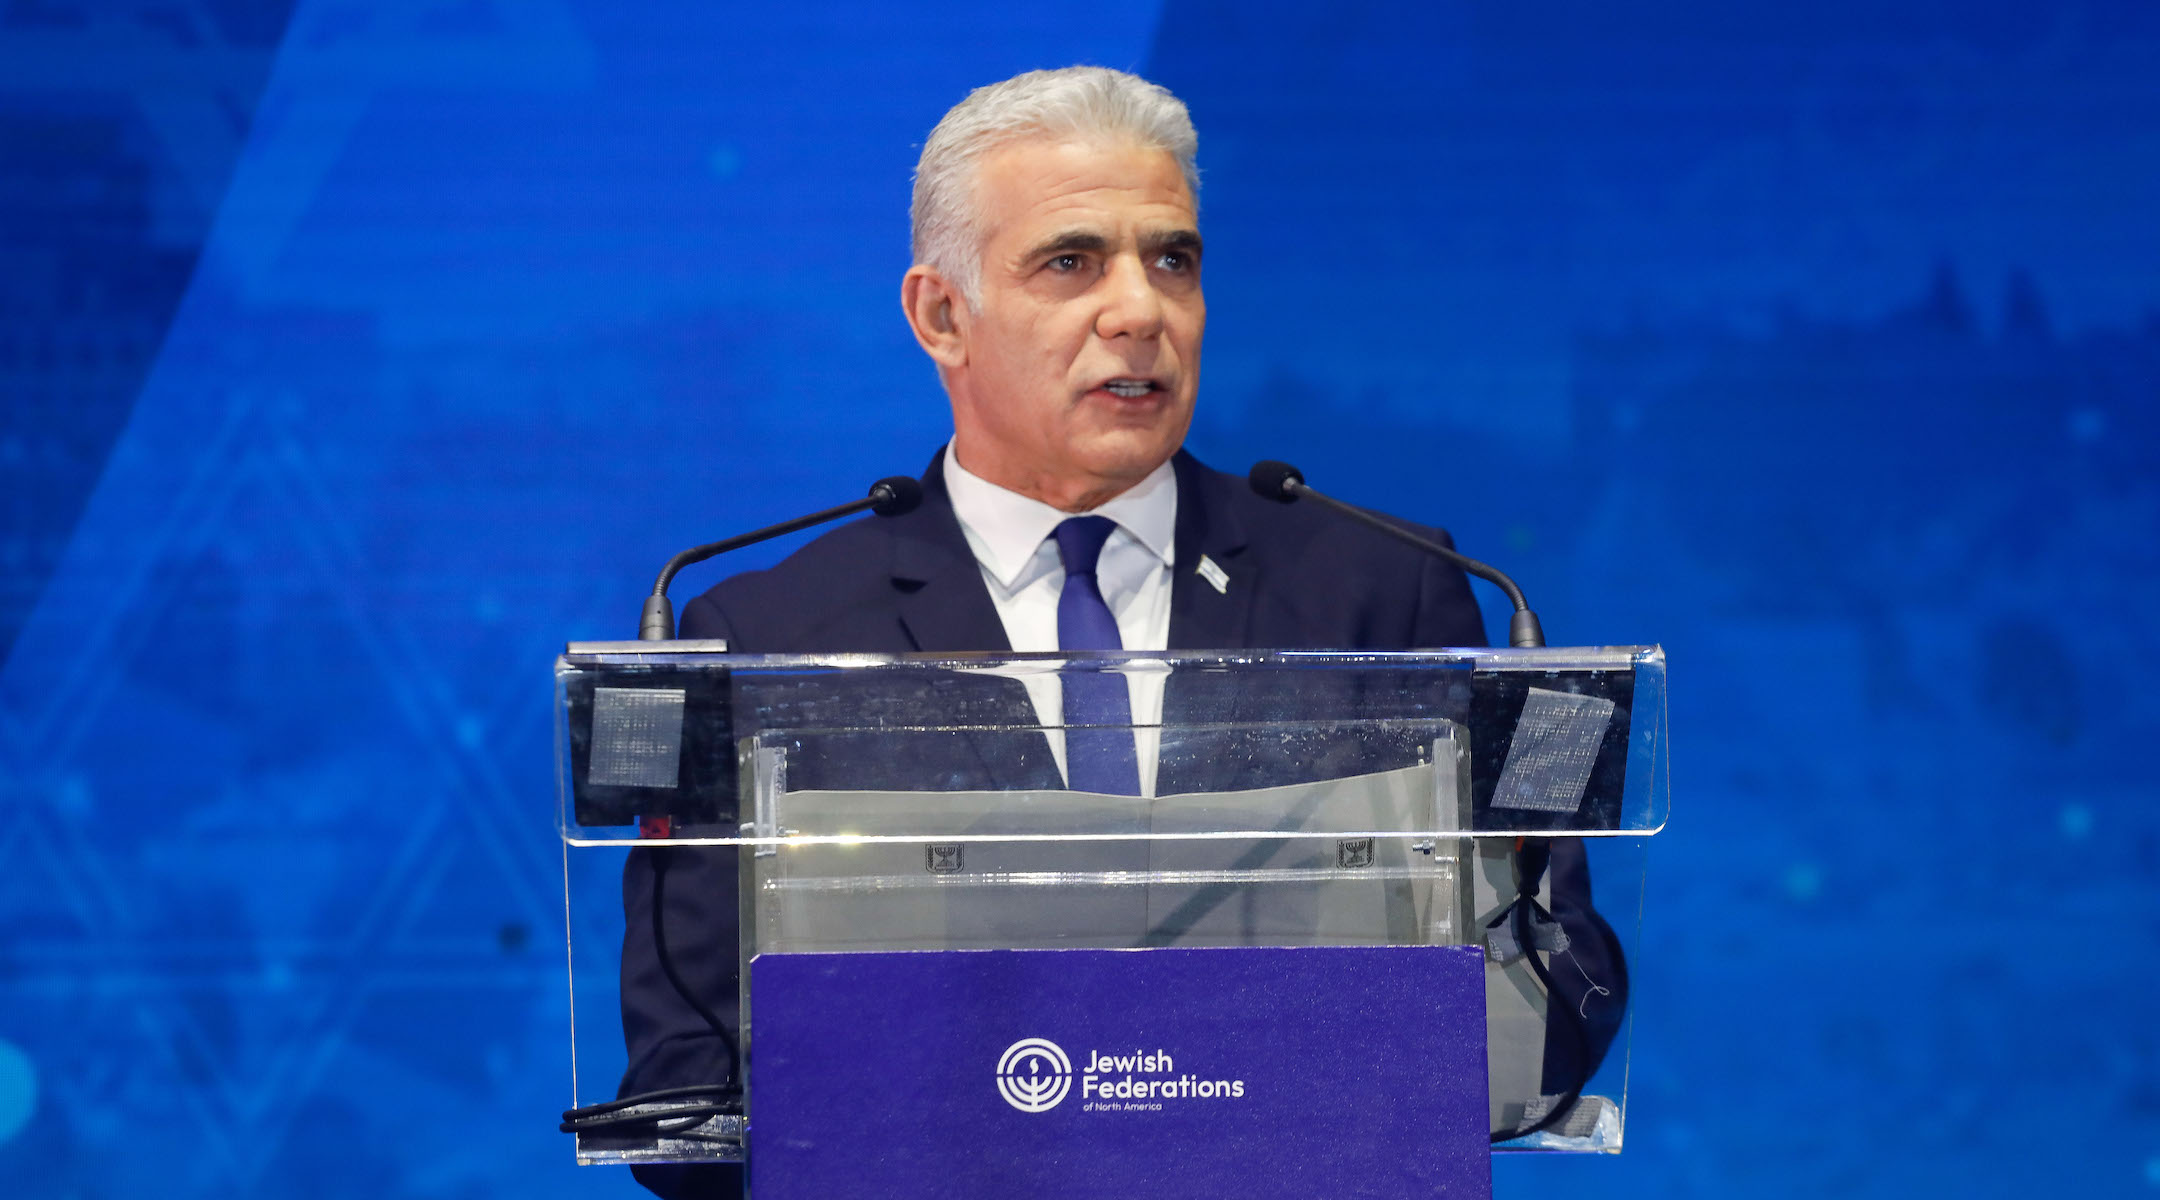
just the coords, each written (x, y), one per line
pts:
(1175, 260)
(1065, 262)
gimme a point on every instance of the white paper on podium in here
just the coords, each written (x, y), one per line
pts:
(1336, 862)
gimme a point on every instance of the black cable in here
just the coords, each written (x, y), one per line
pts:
(1519, 916)
(1530, 862)
(695, 1114)
(610, 1115)
(614, 1117)
(667, 966)
(605, 1107)
(717, 1139)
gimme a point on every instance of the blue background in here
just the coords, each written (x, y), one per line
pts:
(355, 356)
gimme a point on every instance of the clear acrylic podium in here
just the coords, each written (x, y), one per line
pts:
(1290, 799)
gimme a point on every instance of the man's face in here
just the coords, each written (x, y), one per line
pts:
(1077, 377)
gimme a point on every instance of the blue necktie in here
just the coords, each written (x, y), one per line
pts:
(1096, 760)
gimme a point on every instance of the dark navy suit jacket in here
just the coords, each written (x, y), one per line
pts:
(1299, 577)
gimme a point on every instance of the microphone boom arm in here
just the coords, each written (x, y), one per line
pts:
(890, 497)
(1523, 626)
(1282, 482)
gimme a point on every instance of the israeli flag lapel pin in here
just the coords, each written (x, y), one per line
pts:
(1214, 575)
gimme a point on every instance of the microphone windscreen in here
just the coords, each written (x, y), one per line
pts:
(1273, 479)
(896, 495)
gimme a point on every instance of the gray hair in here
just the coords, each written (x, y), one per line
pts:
(1068, 103)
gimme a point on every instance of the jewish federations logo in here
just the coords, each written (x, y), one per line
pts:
(1033, 1075)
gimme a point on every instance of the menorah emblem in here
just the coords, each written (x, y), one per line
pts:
(1033, 1075)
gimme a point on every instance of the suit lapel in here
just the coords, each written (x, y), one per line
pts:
(943, 605)
(945, 608)
(1213, 581)
(1211, 551)
(938, 588)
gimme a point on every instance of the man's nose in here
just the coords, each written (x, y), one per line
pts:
(1132, 305)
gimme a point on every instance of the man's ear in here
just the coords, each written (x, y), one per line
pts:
(937, 314)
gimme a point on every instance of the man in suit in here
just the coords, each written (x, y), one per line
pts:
(1056, 287)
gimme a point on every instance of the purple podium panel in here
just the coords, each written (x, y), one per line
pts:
(1338, 1071)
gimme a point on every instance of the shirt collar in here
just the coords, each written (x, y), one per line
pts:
(1006, 529)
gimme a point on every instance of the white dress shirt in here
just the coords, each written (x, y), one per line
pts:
(1010, 536)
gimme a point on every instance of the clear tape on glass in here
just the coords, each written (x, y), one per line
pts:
(1556, 743)
(636, 737)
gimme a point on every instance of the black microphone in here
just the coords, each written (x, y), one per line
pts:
(1282, 482)
(888, 498)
